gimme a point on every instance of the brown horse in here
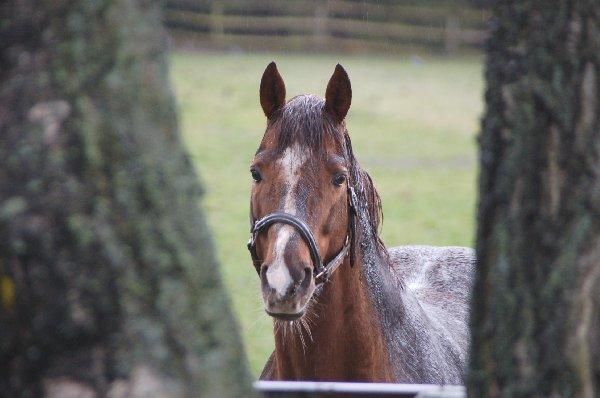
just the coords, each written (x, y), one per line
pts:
(344, 306)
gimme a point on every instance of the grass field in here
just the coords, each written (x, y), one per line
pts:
(413, 125)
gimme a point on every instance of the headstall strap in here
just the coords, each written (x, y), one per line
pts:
(322, 272)
(352, 212)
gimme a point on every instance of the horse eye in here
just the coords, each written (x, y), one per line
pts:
(255, 175)
(339, 179)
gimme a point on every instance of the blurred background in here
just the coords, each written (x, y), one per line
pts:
(416, 72)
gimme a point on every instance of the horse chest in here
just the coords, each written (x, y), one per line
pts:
(338, 360)
(348, 347)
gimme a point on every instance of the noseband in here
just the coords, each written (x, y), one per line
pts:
(323, 271)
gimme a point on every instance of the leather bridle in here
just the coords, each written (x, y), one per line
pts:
(322, 271)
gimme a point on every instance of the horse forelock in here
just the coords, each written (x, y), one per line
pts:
(304, 122)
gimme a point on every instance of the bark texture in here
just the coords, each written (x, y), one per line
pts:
(108, 284)
(536, 304)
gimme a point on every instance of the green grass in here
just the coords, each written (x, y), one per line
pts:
(413, 128)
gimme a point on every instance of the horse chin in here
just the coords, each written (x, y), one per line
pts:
(287, 314)
(286, 317)
(290, 308)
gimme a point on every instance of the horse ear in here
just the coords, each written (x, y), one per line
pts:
(339, 94)
(272, 90)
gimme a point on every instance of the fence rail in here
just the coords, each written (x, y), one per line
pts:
(289, 389)
(326, 24)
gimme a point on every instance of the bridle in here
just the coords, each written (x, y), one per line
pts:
(322, 271)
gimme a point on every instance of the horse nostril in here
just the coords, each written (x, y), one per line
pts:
(307, 277)
(263, 276)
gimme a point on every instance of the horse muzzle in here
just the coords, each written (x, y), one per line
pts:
(286, 290)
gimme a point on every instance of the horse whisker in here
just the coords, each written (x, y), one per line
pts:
(304, 323)
(298, 327)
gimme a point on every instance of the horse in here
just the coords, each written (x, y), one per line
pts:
(345, 308)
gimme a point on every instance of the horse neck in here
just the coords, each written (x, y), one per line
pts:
(345, 340)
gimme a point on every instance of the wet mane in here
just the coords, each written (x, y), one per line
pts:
(303, 121)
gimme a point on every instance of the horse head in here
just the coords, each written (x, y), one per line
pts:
(301, 205)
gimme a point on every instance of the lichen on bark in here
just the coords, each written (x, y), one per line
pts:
(538, 220)
(109, 279)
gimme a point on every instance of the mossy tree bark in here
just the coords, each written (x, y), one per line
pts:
(109, 285)
(536, 304)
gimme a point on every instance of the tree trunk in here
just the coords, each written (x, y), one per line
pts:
(536, 305)
(109, 285)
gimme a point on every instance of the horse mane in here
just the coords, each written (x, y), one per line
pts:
(303, 120)
(367, 196)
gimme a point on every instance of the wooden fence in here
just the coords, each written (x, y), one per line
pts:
(325, 25)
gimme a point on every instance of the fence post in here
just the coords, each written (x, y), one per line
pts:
(216, 19)
(452, 34)
(320, 26)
